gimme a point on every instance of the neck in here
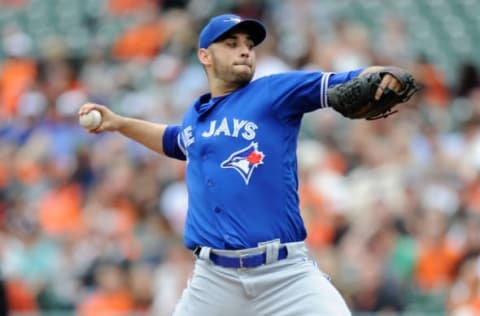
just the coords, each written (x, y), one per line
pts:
(219, 88)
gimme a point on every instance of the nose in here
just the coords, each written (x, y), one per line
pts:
(245, 50)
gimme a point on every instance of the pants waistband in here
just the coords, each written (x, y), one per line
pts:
(265, 253)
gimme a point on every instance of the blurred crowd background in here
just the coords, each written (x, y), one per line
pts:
(93, 225)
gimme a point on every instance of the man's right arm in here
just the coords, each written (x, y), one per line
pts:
(147, 133)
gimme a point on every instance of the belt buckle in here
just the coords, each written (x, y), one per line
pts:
(242, 255)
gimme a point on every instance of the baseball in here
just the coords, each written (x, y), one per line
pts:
(91, 120)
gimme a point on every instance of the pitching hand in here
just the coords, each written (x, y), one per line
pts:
(110, 120)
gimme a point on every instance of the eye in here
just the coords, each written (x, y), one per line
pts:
(231, 43)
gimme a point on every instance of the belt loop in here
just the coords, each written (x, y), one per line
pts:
(296, 249)
(205, 253)
(271, 250)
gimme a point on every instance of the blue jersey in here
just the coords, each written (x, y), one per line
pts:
(240, 149)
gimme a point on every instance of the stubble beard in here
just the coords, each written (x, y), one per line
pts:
(231, 75)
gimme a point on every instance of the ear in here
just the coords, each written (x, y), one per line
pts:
(204, 56)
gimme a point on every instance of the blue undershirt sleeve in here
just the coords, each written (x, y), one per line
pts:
(172, 143)
(342, 77)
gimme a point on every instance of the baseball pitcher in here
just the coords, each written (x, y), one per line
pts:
(239, 144)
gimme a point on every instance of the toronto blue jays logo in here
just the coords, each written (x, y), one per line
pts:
(233, 19)
(245, 161)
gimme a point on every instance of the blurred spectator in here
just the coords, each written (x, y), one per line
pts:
(268, 62)
(111, 294)
(110, 214)
(403, 255)
(437, 259)
(18, 71)
(182, 38)
(59, 211)
(20, 299)
(57, 71)
(96, 75)
(143, 40)
(378, 294)
(254, 9)
(141, 283)
(171, 278)
(464, 297)
(173, 203)
(437, 92)
(3, 298)
(350, 48)
(28, 256)
(468, 79)
(123, 7)
(393, 46)
(13, 3)
(173, 4)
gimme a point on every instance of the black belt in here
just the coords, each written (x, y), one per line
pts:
(244, 260)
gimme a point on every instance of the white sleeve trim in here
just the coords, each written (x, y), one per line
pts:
(323, 89)
(180, 145)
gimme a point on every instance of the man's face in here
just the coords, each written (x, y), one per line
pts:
(233, 58)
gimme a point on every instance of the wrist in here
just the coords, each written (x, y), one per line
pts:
(121, 124)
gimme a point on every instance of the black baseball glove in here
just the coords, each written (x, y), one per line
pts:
(355, 99)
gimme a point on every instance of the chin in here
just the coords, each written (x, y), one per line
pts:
(244, 77)
(243, 80)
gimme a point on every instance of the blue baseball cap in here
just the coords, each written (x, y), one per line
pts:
(221, 24)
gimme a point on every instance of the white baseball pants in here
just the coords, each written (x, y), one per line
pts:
(290, 287)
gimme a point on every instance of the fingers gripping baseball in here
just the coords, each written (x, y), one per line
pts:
(108, 120)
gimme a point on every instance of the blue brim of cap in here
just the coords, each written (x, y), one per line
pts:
(254, 28)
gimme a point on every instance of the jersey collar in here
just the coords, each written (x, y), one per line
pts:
(205, 103)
